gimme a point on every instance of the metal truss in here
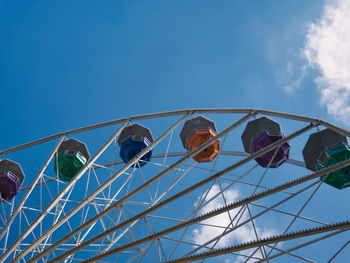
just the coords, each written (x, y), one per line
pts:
(172, 209)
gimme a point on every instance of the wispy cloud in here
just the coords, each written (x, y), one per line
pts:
(328, 50)
(296, 84)
(246, 232)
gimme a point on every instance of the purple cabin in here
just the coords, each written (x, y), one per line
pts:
(260, 133)
(271, 159)
(11, 178)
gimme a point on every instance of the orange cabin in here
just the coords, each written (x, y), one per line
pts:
(197, 131)
(199, 137)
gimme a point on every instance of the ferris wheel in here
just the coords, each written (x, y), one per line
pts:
(236, 185)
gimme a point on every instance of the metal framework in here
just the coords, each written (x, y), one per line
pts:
(174, 209)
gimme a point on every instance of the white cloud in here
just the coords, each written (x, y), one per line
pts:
(244, 233)
(328, 50)
(296, 84)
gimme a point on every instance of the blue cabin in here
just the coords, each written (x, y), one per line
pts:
(132, 140)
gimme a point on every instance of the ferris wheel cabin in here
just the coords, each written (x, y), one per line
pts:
(72, 155)
(326, 148)
(197, 131)
(133, 140)
(11, 178)
(260, 133)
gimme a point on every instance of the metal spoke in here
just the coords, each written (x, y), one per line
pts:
(340, 250)
(265, 241)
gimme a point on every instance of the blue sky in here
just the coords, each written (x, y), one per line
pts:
(67, 64)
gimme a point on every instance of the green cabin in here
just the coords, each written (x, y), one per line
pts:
(341, 178)
(72, 156)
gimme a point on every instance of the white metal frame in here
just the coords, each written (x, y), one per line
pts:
(112, 210)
